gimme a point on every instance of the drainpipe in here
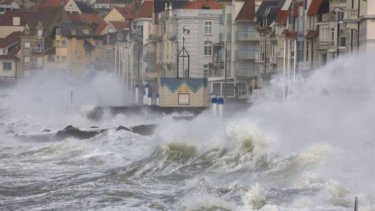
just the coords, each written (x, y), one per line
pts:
(295, 59)
(284, 68)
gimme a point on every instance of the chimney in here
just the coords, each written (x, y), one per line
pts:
(16, 21)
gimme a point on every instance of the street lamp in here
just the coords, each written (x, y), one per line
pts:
(338, 11)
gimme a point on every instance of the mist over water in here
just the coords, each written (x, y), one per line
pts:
(311, 151)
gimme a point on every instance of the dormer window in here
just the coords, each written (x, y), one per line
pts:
(85, 31)
(58, 31)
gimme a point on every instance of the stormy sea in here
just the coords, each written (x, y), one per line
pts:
(313, 149)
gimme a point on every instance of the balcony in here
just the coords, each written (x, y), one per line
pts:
(37, 49)
(247, 36)
(246, 54)
(247, 72)
(351, 16)
(323, 44)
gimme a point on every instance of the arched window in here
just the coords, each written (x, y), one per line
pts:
(207, 48)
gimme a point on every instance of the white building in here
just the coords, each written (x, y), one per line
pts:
(195, 26)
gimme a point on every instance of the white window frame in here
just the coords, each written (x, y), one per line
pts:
(207, 48)
(208, 27)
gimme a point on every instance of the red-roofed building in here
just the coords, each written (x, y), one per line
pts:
(9, 56)
(120, 14)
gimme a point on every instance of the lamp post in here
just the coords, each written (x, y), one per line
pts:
(338, 11)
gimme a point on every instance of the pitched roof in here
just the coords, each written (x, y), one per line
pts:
(12, 42)
(282, 16)
(84, 7)
(202, 4)
(32, 17)
(126, 12)
(100, 28)
(314, 7)
(247, 12)
(10, 39)
(119, 25)
(50, 3)
(146, 10)
(12, 52)
(87, 18)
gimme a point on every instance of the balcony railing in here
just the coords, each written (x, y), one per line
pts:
(246, 54)
(247, 72)
(247, 36)
(37, 49)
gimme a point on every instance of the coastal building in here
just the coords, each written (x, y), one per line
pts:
(78, 47)
(9, 56)
(8, 5)
(233, 72)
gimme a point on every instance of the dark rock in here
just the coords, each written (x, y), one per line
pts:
(94, 126)
(46, 130)
(145, 130)
(71, 131)
(122, 128)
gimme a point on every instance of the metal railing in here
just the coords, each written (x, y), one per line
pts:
(247, 36)
(247, 72)
(246, 54)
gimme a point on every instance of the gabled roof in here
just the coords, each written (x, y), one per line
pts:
(314, 7)
(31, 17)
(202, 4)
(87, 18)
(50, 3)
(77, 29)
(119, 25)
(282, 16)
(268, 9)
(84, 7)
(100, 28)
(146, 10)
(126, 12)
(11, 39)
(12, 43)
(247, 12)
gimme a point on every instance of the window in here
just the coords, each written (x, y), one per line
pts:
(205, 70)
(40, 32)
(208, 27)
(207, 48)
(58, 31)
(27, 44)
(26, 59)
(63, 43)
(7, 66)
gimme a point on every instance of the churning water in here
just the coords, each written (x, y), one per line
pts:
(313, 151)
